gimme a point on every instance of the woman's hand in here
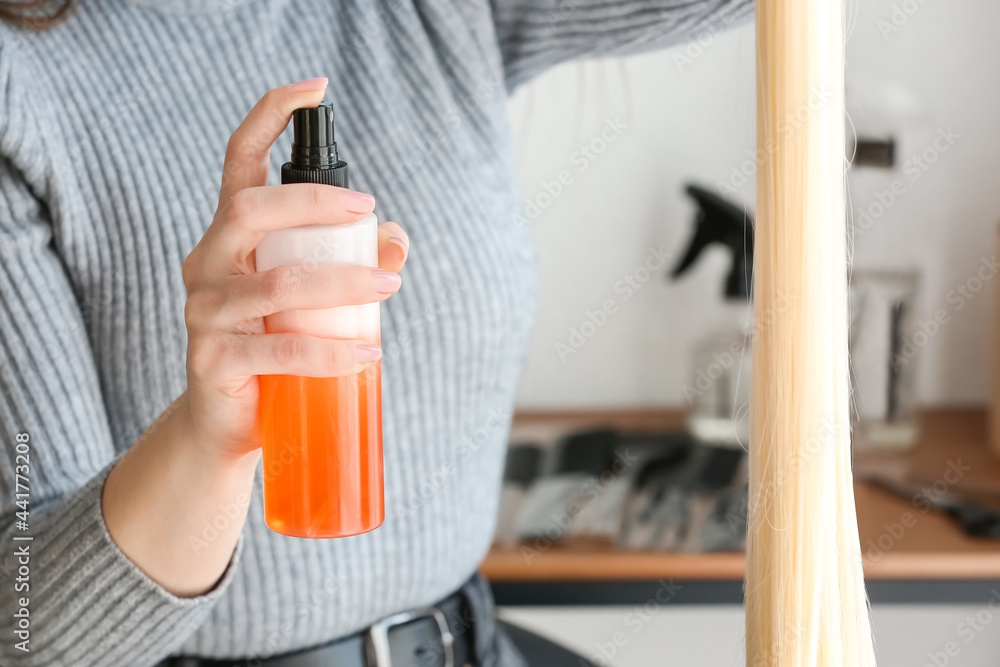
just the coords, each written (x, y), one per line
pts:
(227, 300)
(197, 460)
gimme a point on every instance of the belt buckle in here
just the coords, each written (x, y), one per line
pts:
(378, 635)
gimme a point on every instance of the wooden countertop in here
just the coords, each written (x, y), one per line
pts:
(899, 540)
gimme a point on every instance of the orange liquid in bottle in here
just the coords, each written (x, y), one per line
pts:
(322, 441)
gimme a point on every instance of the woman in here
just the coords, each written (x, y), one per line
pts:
(131, 316)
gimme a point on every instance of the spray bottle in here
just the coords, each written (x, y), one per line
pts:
(719, 392)
(322, 437)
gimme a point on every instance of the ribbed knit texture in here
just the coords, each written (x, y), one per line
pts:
(113, 128)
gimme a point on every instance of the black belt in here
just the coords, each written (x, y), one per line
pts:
(437, 636)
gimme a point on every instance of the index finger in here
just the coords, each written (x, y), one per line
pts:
(249, 150)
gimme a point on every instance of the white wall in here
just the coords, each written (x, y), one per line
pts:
(905, 636)
(692, 119)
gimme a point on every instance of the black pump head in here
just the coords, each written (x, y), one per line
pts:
(314, 151)
(719, 221)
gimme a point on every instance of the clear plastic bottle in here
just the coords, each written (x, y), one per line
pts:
(719, 392)
(322, 437)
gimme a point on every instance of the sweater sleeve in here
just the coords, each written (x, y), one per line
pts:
(537, 34)
(68, 595)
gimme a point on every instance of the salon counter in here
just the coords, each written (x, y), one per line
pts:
(910, 555)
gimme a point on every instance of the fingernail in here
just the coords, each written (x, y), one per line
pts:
(358, 202)
(385, 282)
(401, 243)
(366, 353)
(319, 83)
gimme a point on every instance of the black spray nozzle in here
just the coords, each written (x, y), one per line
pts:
(314, 151)
(719, 221)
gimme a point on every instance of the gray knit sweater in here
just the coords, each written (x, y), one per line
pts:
(112, 133)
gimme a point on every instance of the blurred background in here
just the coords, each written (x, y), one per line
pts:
(606, 150)
(688, 115)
